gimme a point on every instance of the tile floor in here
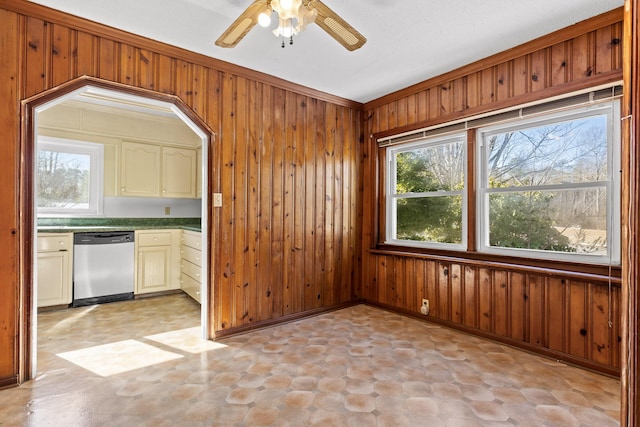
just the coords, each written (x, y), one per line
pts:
(141, 363)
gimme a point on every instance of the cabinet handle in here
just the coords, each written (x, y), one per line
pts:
(122, 188)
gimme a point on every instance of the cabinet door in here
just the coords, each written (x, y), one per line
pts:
(54, 278)
(139, 169)
(179, 172)
(154, 269)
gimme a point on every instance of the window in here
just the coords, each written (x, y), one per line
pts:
(425, 193)
(549, 187)
(69, 177)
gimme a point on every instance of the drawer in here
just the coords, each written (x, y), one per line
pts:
(190, 287)
(190, 254)
(191, 239)
(55, 242)
(154, 239)
(192, 270)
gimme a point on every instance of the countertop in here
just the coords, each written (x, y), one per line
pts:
(77, 225)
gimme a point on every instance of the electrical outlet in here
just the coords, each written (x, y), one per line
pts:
(217, 200)
(167, 210)
(424, 309)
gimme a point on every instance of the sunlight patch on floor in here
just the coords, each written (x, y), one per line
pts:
(118, 357)
(188, 340)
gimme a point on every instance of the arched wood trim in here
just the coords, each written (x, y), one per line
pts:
(26, 197)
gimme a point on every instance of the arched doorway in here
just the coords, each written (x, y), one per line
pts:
(116, 96)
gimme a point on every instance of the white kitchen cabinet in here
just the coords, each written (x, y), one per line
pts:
(179, 172)
(140, 169)
(191, 264)
(54, 269)
(150, 170)
(157, 260)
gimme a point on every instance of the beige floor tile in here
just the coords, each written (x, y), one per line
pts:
(143, 363)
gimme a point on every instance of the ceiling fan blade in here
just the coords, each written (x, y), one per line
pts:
(337, 27)
(241, 26)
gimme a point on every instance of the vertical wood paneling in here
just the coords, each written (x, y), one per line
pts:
(329, 235)
(10, 46)
(556, 325)
(443, 302)
(264, 282)
(536, 311)
(239, 200)
(549, 312)
(558, 64)
(338, 223)
(320, 197)
(254, 146)
(457, 293)
(309, 148)
(517, 307)
(599, 341)
(199, 91)
(431, 275)
(128, 61)
(225, 309)
(485, 292)
(85, 56)
(108, 65)
(299, 180)
(146, 69)
(577, 319)
(500, 303)
(61, 48)
(35, 79)
(287, 165)
(580, 57)
(278, 223)
(167, 78)
(470, 297)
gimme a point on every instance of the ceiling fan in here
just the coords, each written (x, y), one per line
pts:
(293, 17)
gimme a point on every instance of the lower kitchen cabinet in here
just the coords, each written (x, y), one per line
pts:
(54, 269)
(157, 260)
(191, 264)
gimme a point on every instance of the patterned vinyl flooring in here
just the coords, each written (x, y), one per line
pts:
(142, 363)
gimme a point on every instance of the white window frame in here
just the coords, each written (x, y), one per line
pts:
(96, 184)
(391, 197)
(610, 109)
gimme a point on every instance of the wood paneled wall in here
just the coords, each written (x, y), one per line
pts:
(555, 312)
(285, 159)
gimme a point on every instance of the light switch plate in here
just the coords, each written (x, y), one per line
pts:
(217, 200)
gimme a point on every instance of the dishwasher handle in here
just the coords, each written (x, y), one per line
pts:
(102, 238)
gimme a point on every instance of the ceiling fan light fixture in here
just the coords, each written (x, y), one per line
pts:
(293, 18)
(264, 19)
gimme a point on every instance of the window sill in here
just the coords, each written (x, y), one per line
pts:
(564, 270)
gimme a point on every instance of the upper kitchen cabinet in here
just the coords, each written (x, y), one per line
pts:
(179, 172)
(145, 155)
(148, 170)
(140, 169)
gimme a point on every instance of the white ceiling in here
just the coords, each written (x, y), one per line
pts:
(408, 41)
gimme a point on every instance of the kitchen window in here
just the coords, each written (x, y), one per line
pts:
(425, 194)
(69, 177)
(549, 187)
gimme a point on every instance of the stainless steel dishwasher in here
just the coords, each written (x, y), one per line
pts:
(103, 268)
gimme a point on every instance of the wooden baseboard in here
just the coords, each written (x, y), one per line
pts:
(520, 345)
(225, 333)
(8, 382)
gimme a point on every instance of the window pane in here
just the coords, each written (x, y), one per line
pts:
(430, 219)
(63, 179)
(433, 168)
(565, 152)
(565, 221)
